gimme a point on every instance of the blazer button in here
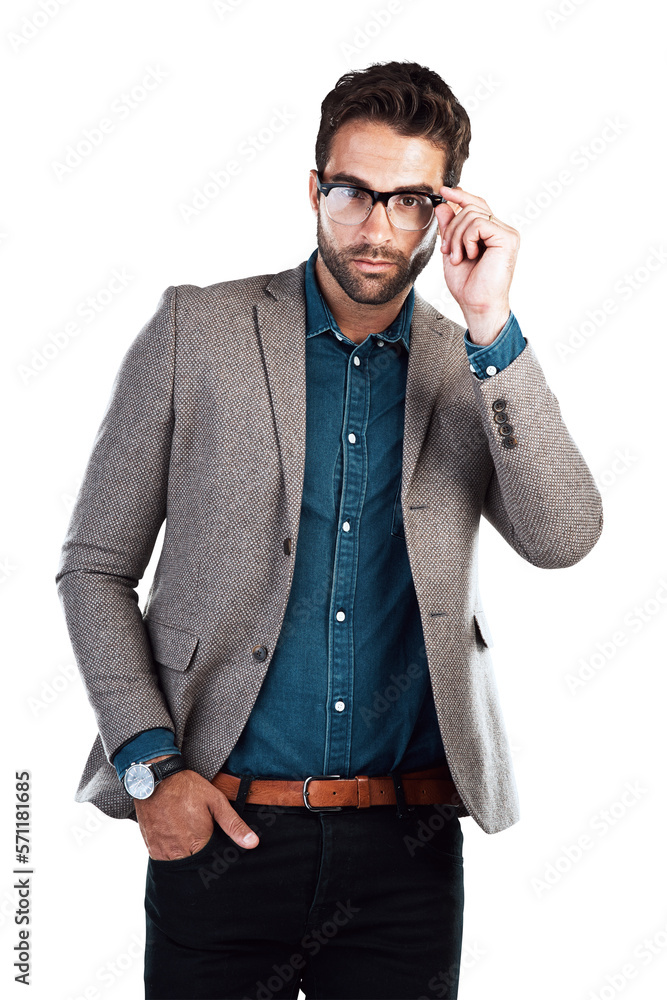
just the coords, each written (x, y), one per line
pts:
(505, 429)
(498, 404)
(500, 416)
(260, 652)
(509, 442)
(287, 546)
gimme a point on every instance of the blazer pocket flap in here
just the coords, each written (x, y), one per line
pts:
(171, 646)
(483, 628)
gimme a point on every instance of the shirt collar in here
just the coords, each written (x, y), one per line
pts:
(319, 318)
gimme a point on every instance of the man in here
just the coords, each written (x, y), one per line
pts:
(313, 653)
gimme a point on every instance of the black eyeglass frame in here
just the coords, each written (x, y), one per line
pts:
(383, 196)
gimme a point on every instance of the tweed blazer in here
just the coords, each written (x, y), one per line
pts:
(205, 427)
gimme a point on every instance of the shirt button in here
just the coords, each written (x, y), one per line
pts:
(472, 368)
(352, 437)
(338, 337)
(346, 525)
(380, 343)
(340, 616)
(491, 370)
(357, 361)
(339, 706)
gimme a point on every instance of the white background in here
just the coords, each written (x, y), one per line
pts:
(541, 88)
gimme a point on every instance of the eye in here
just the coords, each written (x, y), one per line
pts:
(350, 193)
(411, 201)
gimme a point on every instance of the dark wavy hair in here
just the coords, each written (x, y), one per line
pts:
(411, 99)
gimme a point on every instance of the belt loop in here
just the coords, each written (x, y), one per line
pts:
(402, 808)
(239, 801)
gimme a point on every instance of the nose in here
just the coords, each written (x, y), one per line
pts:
(376, 227)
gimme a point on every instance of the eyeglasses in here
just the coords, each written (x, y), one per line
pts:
(350, 205)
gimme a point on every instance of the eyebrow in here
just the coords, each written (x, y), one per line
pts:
(405, 189)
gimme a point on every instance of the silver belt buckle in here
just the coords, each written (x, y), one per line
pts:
(319, 777)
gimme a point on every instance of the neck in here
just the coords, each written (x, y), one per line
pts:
(356, 319)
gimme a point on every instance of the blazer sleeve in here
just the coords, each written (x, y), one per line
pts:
(541, 497)
(117, 515)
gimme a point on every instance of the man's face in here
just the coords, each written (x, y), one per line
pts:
(374, 156)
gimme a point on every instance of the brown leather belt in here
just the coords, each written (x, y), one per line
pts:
(324, 791)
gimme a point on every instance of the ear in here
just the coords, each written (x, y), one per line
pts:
(313, 193)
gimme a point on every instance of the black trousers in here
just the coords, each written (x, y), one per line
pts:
(361, 903)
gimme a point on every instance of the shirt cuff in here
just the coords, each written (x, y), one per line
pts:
(488, 361)
(145, 746)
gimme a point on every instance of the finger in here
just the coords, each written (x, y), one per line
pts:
(444, 213)
(465, 241)
(462, 198)
(231, 822)
(168, 846)
(166, 843)
(456, 225)
(467, 237)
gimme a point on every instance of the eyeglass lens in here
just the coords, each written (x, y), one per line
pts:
(350, 206)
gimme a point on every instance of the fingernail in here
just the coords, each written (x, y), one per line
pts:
(250, 838)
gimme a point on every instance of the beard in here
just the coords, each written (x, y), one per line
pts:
(372, 289)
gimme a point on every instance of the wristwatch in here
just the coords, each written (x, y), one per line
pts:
(140, 779)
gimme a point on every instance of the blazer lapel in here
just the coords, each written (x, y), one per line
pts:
(430, 360)
(281, 323)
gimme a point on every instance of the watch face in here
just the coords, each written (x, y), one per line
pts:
(139, 781)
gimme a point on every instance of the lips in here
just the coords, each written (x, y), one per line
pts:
(372, 266)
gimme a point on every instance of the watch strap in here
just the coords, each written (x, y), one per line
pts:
(170, 765)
